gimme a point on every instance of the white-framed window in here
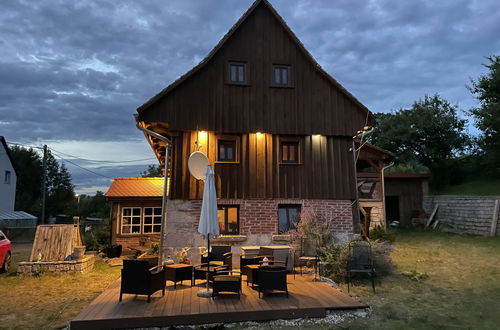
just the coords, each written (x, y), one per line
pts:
(131, 220)
(140, 220)
(151, 220)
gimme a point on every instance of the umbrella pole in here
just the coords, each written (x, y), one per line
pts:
(208, 259)
(207, 292)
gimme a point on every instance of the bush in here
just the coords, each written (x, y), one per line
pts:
(336, 257)
(96, 236)
(380, 233)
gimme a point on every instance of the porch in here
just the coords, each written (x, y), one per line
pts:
(181, 306)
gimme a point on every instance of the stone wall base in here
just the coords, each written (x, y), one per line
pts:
(37, 268)
(464, 214)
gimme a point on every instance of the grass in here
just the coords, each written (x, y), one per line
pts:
(478, 187)
(51, 300)
(441, 281)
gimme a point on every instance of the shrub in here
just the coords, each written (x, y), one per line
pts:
(154, 248)
(336, 257)
(96, 236)
(380, 233)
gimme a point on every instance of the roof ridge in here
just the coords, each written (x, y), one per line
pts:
(245, 15)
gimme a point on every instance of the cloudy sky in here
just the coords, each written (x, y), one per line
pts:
(72, 73)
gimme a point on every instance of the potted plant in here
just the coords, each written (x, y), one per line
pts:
(151, 255)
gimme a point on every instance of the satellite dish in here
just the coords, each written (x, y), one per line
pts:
(197, 165)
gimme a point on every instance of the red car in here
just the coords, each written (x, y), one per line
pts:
(5, 253)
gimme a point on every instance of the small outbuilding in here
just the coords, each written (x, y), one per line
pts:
(135, 212)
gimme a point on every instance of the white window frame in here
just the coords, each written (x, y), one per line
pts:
(122, 225)
(153, 216)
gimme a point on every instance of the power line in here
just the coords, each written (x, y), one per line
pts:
(83, 168)
(80, 158)
(103, 161)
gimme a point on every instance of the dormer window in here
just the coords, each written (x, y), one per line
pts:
(282, 76)
(237, 73)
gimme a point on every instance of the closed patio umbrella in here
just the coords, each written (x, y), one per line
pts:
(209, 225)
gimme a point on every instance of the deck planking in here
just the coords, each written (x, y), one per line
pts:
(182, 306)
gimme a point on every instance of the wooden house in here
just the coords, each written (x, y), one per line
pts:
(276, 127)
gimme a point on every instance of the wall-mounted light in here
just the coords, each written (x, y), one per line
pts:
(201, 139)
(259, 135)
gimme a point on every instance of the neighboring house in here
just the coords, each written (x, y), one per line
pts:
(277, 129)
(8, 178)
(19, 226)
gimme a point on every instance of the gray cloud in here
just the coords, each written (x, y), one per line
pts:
(79, 69)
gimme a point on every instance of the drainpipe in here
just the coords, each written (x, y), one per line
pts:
(383, 192)
(360, 135)
(356, 201)
(168, 143)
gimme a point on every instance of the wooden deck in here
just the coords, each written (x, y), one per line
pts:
(181, 306)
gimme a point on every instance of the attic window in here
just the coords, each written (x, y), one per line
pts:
(282, 76)
(237, 73)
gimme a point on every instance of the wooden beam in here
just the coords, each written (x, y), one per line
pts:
(432, 215)
(494, 220)
(374, 165)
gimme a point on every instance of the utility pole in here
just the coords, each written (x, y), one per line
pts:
(44, 181)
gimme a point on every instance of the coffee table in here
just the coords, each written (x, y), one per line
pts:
(178, 273)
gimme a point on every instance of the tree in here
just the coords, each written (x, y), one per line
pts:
(153, 171)
(430, 134)
(29, 179)
(59, 189)
(487, 117)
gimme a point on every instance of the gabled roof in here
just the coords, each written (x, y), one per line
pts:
(7, 151)
(136, 187)
(210, 55)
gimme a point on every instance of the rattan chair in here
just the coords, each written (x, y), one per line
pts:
(360, 261)
(139, 278)
(272, 279)
(216, 254)
(308, 253)
(226, 281)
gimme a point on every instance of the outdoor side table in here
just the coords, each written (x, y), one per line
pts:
(252, 273)
(178, 273)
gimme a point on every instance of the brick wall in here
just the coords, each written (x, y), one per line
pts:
(258, 221)
(464, 214)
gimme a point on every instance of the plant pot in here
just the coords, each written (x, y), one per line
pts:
(113, 251)
(78, 252)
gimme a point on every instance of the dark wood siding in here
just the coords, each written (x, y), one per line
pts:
(410, 193)
(325, 172)
(313, 106)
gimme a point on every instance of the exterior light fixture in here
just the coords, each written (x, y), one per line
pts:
(259, 134)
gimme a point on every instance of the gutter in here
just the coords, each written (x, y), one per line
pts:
(168, 144)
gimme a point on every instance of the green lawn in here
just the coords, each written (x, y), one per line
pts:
(48, 301)
(479, 187)
(441, 281)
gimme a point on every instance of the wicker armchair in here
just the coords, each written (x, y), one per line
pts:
(272, 279)
(138, 278)
(216, 254)
(226, 281)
